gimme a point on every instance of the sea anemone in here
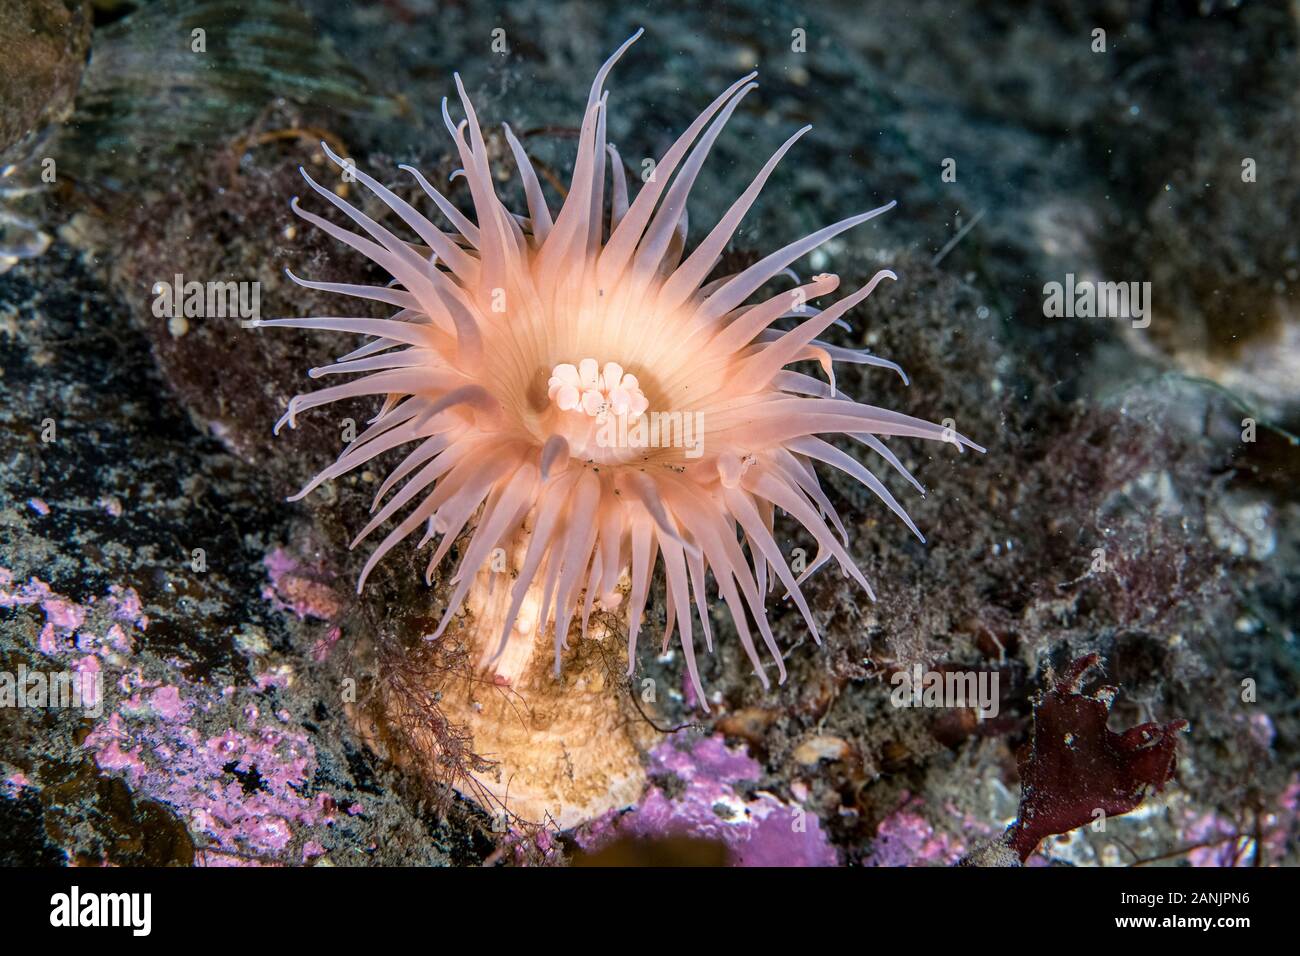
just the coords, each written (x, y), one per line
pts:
(590, 400)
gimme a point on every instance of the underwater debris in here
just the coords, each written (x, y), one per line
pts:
(43, 48)
(699, 801)
(1074, 771)
(181, 74)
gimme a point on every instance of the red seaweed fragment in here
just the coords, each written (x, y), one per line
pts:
(1074, 770)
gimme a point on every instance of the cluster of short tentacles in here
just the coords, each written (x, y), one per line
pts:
(518, 341)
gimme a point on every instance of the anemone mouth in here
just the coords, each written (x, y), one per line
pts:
(590, 431)
(596, 390)
(611, 398)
